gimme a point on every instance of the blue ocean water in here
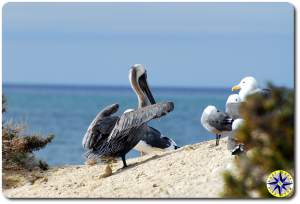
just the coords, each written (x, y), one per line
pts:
(66, 111)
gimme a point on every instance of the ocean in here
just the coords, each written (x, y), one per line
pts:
(66, 112)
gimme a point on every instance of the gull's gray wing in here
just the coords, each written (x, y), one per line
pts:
(266, 93)
(100, 127)
(135, 119)
(233, 110)
(221, 121)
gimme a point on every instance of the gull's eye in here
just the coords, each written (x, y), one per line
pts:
(236, 100)
(218, 111)
(243, 82)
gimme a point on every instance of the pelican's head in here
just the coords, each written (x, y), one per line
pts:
(138, 81)
(247, 86)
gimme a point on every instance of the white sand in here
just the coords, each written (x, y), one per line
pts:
(194, 171)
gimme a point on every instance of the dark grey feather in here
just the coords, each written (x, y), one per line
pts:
(128, 130)
(266, 93)
(100, 127)
(221, 121)
(155, 139)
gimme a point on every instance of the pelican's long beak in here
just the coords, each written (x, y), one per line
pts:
(236, 88)
(144, 86)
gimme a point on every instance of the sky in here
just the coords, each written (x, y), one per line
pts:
(180, 44)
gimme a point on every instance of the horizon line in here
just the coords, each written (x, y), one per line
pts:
(41, 85)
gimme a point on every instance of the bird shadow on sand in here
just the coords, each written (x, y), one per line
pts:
(130, 166)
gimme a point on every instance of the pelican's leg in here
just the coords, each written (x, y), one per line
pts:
(124, 161)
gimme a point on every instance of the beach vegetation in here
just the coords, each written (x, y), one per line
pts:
(268, 135)
(18, 150)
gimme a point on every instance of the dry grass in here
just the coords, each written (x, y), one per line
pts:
(19, 164)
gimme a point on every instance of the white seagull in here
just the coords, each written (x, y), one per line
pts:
(216, 122)
(249, 86)
(232, 144)
(233, 104)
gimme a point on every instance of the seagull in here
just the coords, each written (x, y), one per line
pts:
(216, 122)
(232, 144)
(152, 140)
(110, 136)
(233, 105)
(249, 86)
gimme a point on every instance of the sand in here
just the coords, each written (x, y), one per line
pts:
(193, 171)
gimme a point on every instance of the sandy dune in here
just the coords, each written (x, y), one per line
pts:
(194, 171)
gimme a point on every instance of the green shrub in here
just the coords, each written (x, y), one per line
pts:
(17, 148)
(268, 134)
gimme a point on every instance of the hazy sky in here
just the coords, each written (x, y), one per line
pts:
(187, 44)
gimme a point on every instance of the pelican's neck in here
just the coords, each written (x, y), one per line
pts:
(142, 100)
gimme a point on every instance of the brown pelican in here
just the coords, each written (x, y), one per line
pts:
(216, 122)
(139, 84)
(249, 86)
(152, 140)
(110, 136)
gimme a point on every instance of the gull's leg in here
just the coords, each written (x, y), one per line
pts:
(142, 153)
(217, 139)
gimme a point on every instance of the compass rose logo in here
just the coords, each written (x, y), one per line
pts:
(280, 183)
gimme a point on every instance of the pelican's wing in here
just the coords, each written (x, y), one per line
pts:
(221, 121)
(155, 139)
(100, 127)
(134, 119)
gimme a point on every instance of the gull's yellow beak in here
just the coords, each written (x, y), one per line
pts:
(236, 88)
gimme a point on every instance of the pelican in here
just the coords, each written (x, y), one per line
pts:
(139, 84)
(249, 86)
(216, 122)
(110, 136)
(152, 140)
